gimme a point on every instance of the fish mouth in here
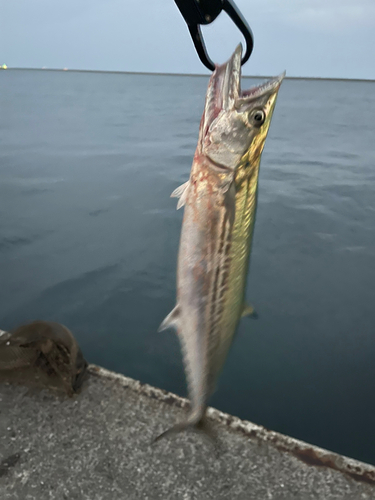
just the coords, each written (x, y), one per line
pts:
(268, 87)
(224, 86)
(224, 90)
(230, 75)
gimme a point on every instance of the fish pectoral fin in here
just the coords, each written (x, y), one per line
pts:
(172, 320)
(248, 310)
(181, 192)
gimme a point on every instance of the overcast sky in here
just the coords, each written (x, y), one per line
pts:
(324, 38)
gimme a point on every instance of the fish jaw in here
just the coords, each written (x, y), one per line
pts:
(223, 89)
(229, 125)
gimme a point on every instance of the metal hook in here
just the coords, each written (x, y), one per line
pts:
(196, 12)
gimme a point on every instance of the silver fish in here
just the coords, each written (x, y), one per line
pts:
(220, 200)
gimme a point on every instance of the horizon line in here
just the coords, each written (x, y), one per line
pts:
(157, 73)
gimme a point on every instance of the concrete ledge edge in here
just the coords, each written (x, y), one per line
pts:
(309, 454)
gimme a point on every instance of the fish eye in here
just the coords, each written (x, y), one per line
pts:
(257, 117)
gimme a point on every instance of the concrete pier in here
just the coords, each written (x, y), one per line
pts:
(97, 445)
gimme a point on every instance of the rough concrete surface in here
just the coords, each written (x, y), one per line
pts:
(97, 445)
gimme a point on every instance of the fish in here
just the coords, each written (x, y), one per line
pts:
(219, 200)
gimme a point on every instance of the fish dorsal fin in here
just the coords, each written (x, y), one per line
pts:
(248, 310)
(172, 320)
(181, 192)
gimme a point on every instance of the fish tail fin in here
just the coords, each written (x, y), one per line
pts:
(173, 430)
(198, 423)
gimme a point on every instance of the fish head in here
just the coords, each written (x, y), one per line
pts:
(236, 122)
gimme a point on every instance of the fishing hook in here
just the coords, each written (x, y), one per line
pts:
(197, 12)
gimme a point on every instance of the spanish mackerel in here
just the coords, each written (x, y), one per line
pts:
(220, 200)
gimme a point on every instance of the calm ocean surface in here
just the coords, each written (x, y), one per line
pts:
(89, 238)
